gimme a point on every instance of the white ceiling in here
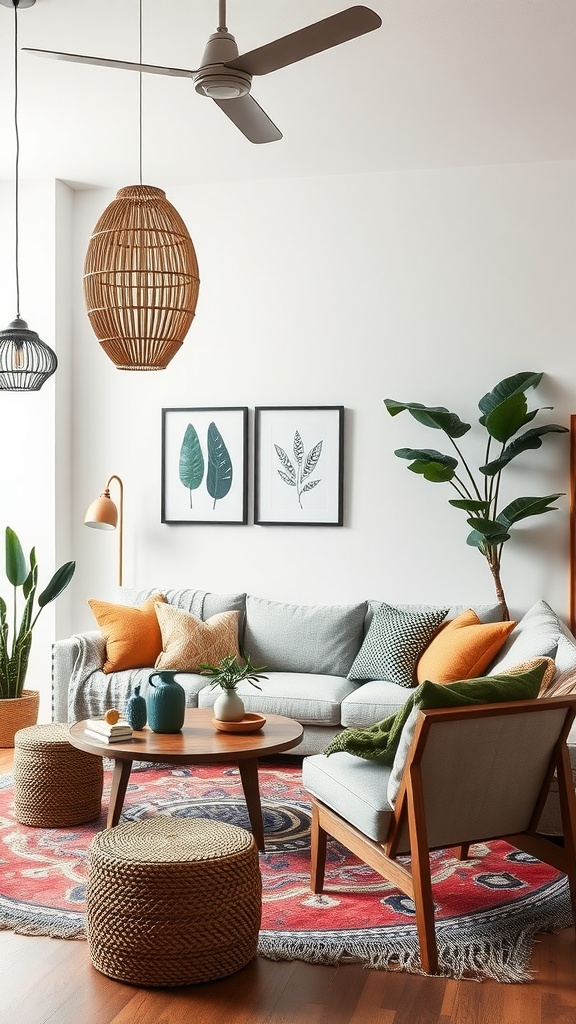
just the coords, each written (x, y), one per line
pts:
(441, 83)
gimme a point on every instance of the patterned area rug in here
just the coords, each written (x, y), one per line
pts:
(487, 908)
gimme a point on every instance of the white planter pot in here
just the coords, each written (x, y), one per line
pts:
(228, 707)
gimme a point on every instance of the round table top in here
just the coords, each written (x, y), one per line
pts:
(198, 741)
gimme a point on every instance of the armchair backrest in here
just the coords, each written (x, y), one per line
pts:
(480, 772)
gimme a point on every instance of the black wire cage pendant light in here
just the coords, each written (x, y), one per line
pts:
(26, 362)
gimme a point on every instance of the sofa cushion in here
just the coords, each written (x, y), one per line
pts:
(353, 788)
(535, 636)
(394, 643)
(565, 654)
(462, 649)
(372, 702)
(201, 603)
(485, 612)
(132, 635)
(320, 639)
(309, 699)
(188, 643)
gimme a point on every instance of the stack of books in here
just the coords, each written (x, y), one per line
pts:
(98, 729)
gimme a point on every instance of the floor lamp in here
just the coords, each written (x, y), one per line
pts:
(103, 514)
(572, 579)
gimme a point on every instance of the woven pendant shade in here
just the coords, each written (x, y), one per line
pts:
(141, 279)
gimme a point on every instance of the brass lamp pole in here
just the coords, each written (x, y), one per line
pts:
(103, 514)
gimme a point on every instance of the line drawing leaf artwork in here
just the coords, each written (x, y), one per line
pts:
(191, 464)
(305, 465)
(220, 473)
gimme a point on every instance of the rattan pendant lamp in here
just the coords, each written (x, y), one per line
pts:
(141, 274)
(26, 362)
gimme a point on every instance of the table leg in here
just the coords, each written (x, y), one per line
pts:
(249, 775)
(120, 777)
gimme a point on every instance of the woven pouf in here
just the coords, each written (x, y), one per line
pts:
(173, 901)
(55, 785)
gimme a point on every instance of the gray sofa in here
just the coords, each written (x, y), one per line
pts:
(308, 651)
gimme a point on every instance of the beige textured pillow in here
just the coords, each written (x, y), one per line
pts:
(188, 643)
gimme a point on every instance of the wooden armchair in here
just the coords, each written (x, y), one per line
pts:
(472, 774)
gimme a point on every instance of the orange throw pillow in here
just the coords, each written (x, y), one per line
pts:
(462, 649)
(133, 638)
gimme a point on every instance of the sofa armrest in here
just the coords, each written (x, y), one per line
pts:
(64, 656)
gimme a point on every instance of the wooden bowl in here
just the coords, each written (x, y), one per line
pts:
(250, 723)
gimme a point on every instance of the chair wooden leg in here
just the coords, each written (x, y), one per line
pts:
(318, 840)
(421, 878)
(461, 852)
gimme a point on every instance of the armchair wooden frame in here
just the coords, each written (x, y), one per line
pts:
(409, 827)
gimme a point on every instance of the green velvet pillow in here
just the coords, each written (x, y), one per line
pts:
(379, 742)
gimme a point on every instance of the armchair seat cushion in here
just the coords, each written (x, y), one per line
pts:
(354, 788)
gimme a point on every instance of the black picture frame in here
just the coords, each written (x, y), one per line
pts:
(208, 446)
(292, 446)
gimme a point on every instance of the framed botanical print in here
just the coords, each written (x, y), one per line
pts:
(298, 465)
(205, 465)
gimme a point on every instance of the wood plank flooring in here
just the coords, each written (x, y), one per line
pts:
(51, 981)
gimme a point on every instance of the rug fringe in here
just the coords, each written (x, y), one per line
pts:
(503, 958)
(52, 926)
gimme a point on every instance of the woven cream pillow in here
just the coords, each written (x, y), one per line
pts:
(188, 643)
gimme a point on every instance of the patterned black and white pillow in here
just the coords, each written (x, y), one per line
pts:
(394, 642)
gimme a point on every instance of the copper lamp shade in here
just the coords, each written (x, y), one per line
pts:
(103, 514)
(141, 279)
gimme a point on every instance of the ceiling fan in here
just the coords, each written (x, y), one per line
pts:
(225, 76)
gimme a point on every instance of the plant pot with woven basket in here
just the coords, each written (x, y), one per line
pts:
(17, 713)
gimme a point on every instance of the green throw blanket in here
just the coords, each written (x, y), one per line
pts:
(379, 742)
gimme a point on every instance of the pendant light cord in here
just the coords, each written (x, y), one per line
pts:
(17, 161)
(140, 89)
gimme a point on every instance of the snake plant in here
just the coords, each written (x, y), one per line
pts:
(15, 652)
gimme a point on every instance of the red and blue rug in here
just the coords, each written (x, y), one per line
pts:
(488, 908)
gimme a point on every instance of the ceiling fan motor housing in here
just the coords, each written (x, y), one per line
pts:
(216, 80)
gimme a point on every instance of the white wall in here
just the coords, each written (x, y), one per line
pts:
(28, 489)
(424, 286)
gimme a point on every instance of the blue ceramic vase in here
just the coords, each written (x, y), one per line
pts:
(136, 710)
(165, 703)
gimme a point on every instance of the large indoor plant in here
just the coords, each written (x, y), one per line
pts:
(15, 648)
(504, 413)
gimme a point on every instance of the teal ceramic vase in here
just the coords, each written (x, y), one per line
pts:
(165, 703)
(136, 710)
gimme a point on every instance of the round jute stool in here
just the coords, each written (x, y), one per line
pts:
(55, 785)
(173, 901)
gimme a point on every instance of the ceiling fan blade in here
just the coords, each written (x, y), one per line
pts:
(322, 35)
(249, 117)
(104, 62)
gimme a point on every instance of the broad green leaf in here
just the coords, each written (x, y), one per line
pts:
(426, 455)
(518, 383)
(16, 569)
(506, 419)
(531, 439)
(491, 529)
(435, 472)
(437, 417)
(191, 463)
(58, 583)
(470, 505)
(476, 540)
(220, 473)
(521, 508)
(432, 465)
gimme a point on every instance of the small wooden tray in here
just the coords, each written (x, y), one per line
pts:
(250, 723)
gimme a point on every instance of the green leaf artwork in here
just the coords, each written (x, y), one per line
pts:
(297, 475)
(220, 473)
(191, 465)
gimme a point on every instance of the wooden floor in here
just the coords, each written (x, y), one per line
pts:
(51, 980)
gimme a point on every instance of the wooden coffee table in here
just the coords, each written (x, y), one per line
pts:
(198, 743)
